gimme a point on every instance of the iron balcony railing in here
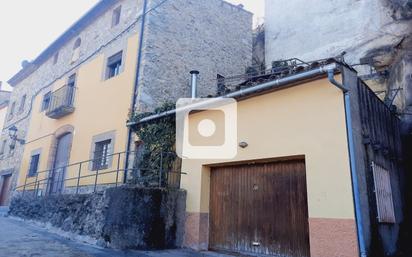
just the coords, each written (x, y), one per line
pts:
(81, 178)
(61, 102)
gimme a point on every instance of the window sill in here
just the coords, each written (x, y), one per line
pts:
(110, 78)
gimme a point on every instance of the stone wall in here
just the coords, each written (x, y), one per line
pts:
(213, 37)
(120, 218)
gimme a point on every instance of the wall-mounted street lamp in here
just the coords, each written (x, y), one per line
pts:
(13, 136)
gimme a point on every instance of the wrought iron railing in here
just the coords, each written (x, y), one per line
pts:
(81, 178)
(61, 102)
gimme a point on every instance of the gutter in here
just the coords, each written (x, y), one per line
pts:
(352, 160)
(247, 91)
(135, 87)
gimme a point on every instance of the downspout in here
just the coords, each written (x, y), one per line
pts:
(135, 88)
(352, 158)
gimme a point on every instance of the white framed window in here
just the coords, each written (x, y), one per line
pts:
(101, 152)
(383, 193)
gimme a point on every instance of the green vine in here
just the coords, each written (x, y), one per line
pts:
(157, 151)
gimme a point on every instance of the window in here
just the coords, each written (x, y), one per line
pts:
(114, 64)
(46, 101)
(76, 50)
(55, 58)
(383, 193)
(12, 107)
(116, 16)
(34, 165)
(101, 155)
(3, 147)
(71, 82)
(22, 104)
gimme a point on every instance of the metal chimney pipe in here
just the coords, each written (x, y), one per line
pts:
(194, 74)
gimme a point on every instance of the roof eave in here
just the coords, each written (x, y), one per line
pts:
(101, 7)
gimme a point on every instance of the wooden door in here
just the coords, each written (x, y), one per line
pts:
(60, 162)
(5, 189)
(260, 209)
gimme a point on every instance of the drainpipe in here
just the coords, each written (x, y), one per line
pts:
(135, 87)
(352, 158)
(194, 74)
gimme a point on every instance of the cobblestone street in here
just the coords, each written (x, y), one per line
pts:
(20, 239)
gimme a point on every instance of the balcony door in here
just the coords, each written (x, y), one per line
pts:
(61, 161)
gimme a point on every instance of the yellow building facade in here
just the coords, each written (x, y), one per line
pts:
(304, 122)
(96, 98)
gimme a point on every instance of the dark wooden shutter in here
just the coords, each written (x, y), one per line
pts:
(260, 208)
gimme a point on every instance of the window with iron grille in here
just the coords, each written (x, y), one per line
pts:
(34, 164)
(46, 101)
(114, 63)
(383, 192)
(101, 155)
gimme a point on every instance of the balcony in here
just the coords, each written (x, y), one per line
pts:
(61, 102)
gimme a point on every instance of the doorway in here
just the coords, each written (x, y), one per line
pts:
(61, 160)
(5, 189)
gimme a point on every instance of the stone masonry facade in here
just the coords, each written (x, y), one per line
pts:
(180, 35)
(214, 37)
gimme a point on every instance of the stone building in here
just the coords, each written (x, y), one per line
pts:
(121, 55)
(373, 35)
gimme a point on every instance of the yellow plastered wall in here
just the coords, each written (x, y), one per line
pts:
(101, 106)
(308, 120)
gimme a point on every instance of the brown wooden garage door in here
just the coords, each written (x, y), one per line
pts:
(260, 209)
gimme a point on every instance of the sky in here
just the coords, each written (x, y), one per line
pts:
(27, 27)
